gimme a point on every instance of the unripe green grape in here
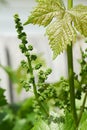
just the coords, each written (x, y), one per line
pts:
(25, 85)
(27, 54)
(21, 46)
(16, 16)
(18, 25)
(23, 34)
(41, 72)
(30, 47)
(17, 20)
(31, 80)
(26, 88)
(24, 41)
(19, 30)
(23, 64)
(38, 66)
(33, 57)
(42, 78)
(48, 71)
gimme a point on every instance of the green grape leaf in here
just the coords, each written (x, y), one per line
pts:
(41, 125)
(69, 123)
(84, 126)
(21, 125)
(79, 17)
(2, 98)
(84, 117)
(26, 108)
(60, 34)
(60, 30)
(21, 73)
(46, 11)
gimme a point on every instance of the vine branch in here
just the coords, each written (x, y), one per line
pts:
(71, 74)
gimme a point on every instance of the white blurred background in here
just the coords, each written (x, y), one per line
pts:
(9, 41)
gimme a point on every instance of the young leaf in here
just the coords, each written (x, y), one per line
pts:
(10, 73)
(79, 16)
(21, 124)
(41, 125)
(83, 122)
(60, 31)
(2, 98)
(60, 34)
(45, 11)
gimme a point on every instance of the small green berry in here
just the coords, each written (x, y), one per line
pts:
(21, 46)
(41, 72)
(24, 41)
(27, 54)
(38, 66)
(16, 16)
(18, 25)
(19, 30)
(23, 34)
(33, 57)
(42, 78)
(48, 71)
(26, 86)
(17, 20)
(30, 47)
(23, 64)
(27, 89)
(31, 80)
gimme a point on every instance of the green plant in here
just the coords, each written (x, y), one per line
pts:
(54, 106)
(63, 26)
(42, 75)
(21, 72)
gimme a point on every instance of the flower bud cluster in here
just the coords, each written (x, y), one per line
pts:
(42, 75)
(24, 64)
(26, 50)
(45, 91)
(36, 107)
(47, 94)
(25, 85)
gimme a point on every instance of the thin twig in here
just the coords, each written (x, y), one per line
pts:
(82, 108)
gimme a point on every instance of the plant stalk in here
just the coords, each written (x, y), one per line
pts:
(31, 72)
(71, 74)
